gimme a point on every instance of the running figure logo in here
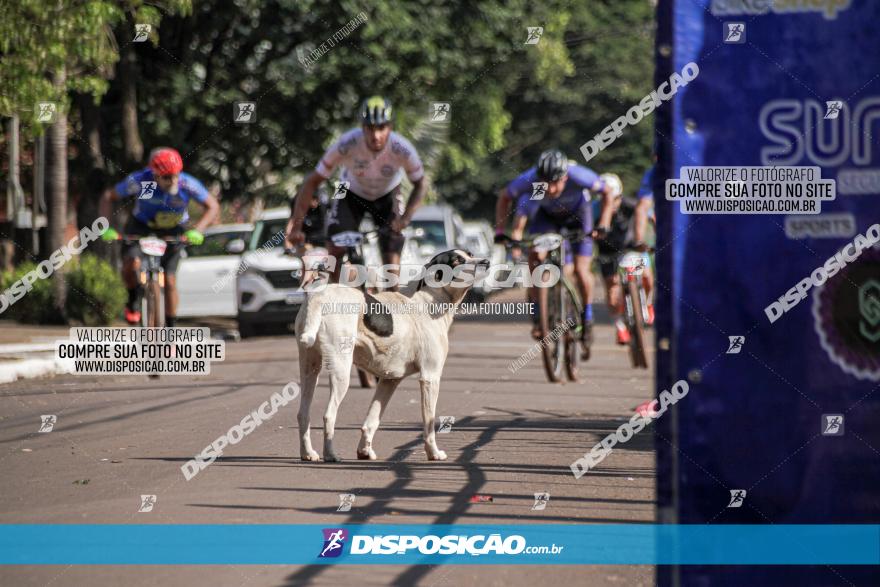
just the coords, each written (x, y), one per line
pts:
(47, 423)
(736, 344)
(244, 112)
(539, 190)
(148, 188)
(341, 190)
(832, 424)
(734, 32)
(440, 112)
(346, 500)
(446, 423)
(346, 345)
(141, 33)
(736, 498)
(147, 503)
(46, 112)
(534, 34)
(334, 541)
(541, 500)
(832, 109)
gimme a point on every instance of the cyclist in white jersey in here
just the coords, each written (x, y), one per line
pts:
(373, 160)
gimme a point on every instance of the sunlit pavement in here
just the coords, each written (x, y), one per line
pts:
(117, 438)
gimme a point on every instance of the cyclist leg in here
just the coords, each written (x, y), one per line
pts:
(170, 260)
(344, 215)
(613, 293)
(131, 264)
(583, 260)
(582, 218)
(385, 211)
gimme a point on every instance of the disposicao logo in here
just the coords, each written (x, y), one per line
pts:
(334, 542)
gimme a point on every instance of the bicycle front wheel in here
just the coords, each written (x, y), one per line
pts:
(153, 311)
(552, 341)
(636, 325)
(573, 312)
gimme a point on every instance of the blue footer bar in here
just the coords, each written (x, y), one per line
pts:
(409, 544)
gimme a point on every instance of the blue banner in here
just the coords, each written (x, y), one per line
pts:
(790, 416)
(614, 544)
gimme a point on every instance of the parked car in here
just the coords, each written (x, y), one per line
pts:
(437, 228)
(479, 241)
(206, 274)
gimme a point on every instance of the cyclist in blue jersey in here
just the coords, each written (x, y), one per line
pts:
(162, 193)
(548, 197)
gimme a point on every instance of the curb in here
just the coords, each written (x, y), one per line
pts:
(30, 368)
(28, 361)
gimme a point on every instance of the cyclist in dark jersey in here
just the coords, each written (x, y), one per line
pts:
(614, 242)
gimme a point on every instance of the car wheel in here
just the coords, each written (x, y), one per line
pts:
(246, 329)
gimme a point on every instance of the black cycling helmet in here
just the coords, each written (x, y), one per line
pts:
(552, 165)
(375, 110)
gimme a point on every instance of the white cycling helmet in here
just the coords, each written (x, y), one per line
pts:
(611, 179)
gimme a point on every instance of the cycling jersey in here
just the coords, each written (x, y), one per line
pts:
(156, 208)
(581, 181)
(646, 190)
(371, 174)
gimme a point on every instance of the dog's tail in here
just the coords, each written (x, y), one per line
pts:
(312, 322)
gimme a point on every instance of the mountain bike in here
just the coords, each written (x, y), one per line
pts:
(560, 309)
(630, 267)
(151, 275)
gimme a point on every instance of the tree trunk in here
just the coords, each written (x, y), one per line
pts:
(96, 173)
(91, 130)
(131, 137)
(58, 191)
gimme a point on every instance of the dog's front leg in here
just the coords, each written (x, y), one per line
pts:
(430, 393)
(384, 391)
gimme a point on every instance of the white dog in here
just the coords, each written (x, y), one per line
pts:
(340, 325)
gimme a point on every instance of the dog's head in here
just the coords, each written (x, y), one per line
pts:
(452, 272)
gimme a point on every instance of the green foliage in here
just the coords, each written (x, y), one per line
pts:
(35, 307)
(39, 38)
(509, 100)
(95, 292)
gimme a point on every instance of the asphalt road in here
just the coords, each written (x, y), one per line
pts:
(117, 438)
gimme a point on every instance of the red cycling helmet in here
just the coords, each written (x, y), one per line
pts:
(166, 161)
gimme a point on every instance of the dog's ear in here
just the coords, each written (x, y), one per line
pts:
(452, 259)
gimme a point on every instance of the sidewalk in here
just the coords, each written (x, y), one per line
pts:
(28, 351)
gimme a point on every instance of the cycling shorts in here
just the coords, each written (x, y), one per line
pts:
(347, 213)
(170, 259)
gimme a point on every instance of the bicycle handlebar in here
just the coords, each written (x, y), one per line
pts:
(575, 234)
(133, 238)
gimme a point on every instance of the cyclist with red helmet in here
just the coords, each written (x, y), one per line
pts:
(162, 193)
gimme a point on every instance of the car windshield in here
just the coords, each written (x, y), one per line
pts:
(270, 234)
(215, 244)
(434, 232)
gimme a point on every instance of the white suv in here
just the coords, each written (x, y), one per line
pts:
(268, 288)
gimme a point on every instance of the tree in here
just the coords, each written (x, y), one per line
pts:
(48, 51)
(509, 100)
